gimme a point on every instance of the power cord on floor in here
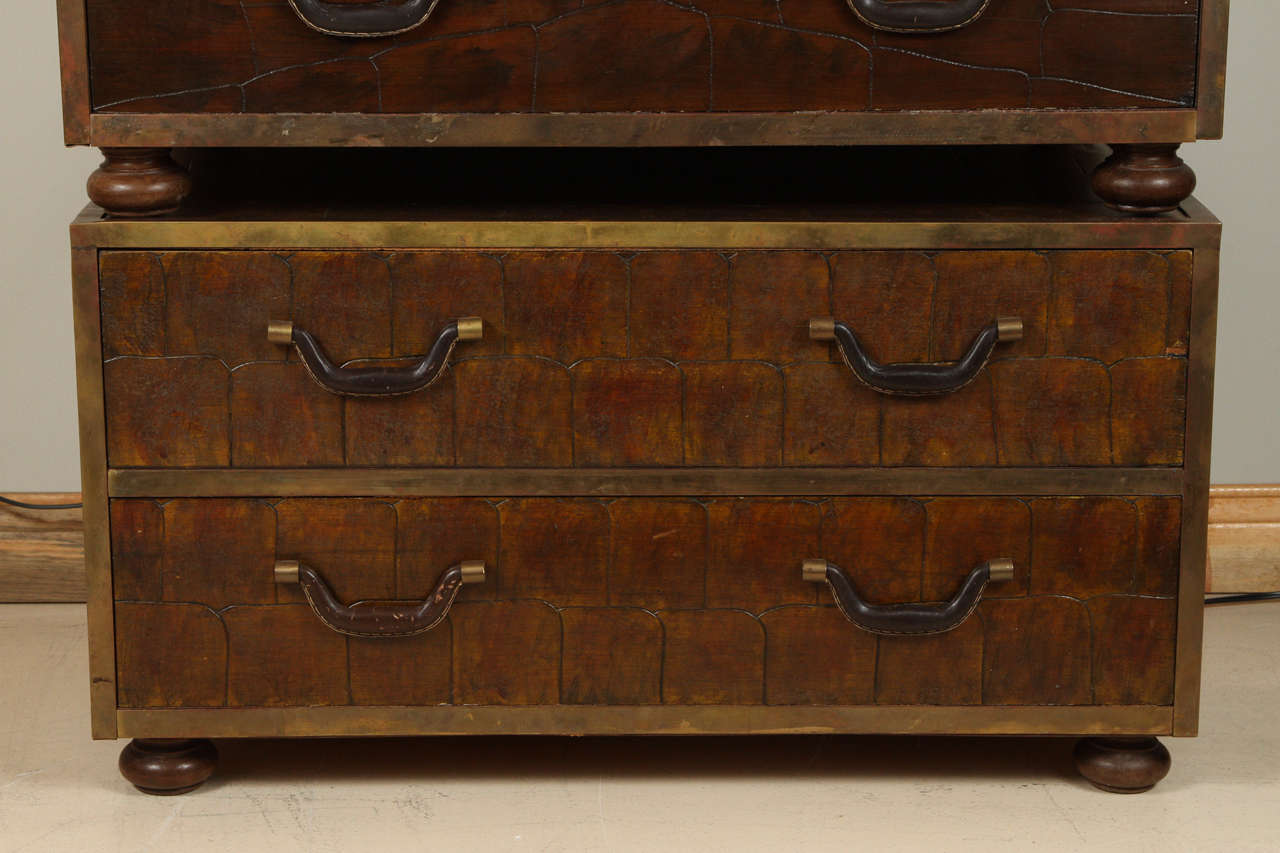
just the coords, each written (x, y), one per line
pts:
(1220, 599)
(25, 505)
(1243, 597)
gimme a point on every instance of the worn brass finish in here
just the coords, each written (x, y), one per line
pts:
(93, 478)
(822, 329)
(932, 127)
(814, 570)
(472, 571)
(1008, 329)
(1000, 569)
(286, 571)
(968, 230)
(533, 482)
(645, 719)
(1195, 496)
(470, 328)
(1194, 229)
(280, 332)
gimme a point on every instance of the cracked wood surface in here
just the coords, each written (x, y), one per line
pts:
(680, 359)
(685, 601)
(544, 56)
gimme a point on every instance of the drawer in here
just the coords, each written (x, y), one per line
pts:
(640, 358)
(638, 56)
(640, 601)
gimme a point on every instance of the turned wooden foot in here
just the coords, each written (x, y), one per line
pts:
(138, 182)
(166, 767)
(1144, 179)
(1122, 765)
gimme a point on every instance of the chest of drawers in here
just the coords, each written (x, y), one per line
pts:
(758, 468)
(1144, 75)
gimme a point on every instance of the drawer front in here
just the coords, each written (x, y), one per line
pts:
(646, 601)
(474, 56)
(652, 359)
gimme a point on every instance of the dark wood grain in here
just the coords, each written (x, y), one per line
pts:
(1036, 651)
(657, 553)
(283, 655)
(652, 358)
(612, 656)
(712, 657)
(217, 552)
(515, 411)
(156, 670)
(626, 413)
(944, 669)
(1134, 665)
(756, 548)
(170, 412)
(639, 55)
(732, 414)
(575, 531)
(133, 304)
(402, 670)
(506, 653)
(800, 635)
(280, 416)
(1083, 567)
(652, 600)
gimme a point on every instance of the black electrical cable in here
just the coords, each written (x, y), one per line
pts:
(1243, 597)
(25, 505)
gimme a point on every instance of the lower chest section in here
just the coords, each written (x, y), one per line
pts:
(644, 601)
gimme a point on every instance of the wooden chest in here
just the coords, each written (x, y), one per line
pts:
(698, 470)
(549, 72)
(143, 76)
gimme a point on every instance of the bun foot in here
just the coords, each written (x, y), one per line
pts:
(1122, 765)
(1144, 179)
(168, 767)
(138, 182)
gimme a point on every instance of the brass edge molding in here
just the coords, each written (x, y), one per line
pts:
(93, 477)
(908, 127)
(488, 482)
(643, 719)
(1171, 232)
(1202, 349)
(1211, 70)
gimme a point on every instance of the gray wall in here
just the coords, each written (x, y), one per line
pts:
(43, 187)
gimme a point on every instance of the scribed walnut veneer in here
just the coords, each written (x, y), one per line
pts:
(648, 453)
(644, 358)
(1141, 75)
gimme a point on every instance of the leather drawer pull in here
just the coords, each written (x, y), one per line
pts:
(899, 619)
(918, 16)
(363, 20)
(380, 618)
(376, 381)
(916, 380)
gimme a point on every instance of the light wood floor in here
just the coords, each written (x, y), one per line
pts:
(59, 791)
